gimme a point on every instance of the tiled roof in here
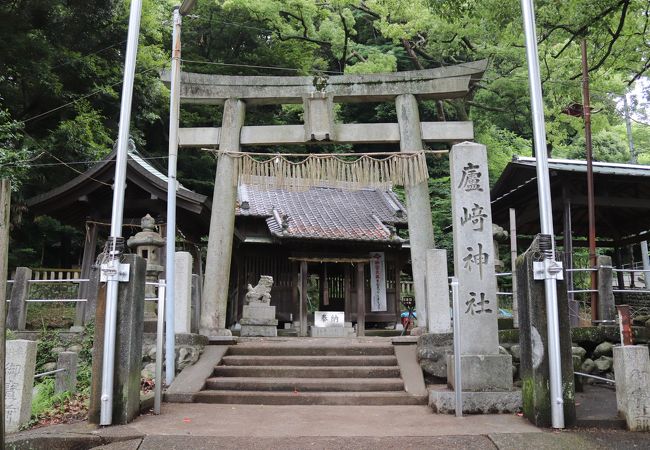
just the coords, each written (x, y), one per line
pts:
(325, 212)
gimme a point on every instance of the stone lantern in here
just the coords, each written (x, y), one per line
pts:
(148, 244)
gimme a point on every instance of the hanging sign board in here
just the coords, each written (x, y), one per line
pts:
(377, 282)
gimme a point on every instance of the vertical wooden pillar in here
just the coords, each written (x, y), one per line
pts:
(325, 289)
(295, 290)
(90, 246)
(303, 298)
(361, 299)
(347, 292)
(5, 204)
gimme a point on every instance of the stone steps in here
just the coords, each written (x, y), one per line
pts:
(364, 360)
(310, 398)
(269, 349)
(307, 372)
(305, 384)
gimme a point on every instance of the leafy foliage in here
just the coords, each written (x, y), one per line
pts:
(62, 71)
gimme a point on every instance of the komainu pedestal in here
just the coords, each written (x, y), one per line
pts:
(258, 316)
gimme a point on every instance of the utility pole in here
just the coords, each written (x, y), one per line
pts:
(5, 207)
(552, 268)
(586, 113)
(172, 187)
(112, 269)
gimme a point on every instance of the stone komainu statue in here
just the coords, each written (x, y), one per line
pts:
(260, 293)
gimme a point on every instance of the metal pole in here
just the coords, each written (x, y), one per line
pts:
(159, 347)
(513, 267)
(5, 213)
(172, 185)
(458, 380)
(546, 214)
(586, 113)
(108, 363)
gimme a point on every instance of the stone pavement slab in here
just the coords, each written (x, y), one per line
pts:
(550, 440)
(291, 421)
(315, 443)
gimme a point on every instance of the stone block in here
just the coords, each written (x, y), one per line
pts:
(632, 368)
(506, 402)
(128, 342)
(20, 364)
(606, 307)
(183, 292)
(253, 311)
(66, 380)
(482, 373)
(252, 321)
(17, 314)
(474, 253)
(533, 340)
(331, 332)
(258, 330)
(438, 305)
(196, 303)
(432, 352)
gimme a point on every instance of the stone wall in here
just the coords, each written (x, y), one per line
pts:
(591, 349)
(189, 347)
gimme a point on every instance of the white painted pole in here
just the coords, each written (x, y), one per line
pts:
(108, 367)
(546, 214)
(458, 379)
(513, 266)
(159, 347)
(172, 185)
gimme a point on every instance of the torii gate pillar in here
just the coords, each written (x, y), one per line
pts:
(417, 203)
(214, 300)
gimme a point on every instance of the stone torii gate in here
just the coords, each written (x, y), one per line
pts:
(317, 96)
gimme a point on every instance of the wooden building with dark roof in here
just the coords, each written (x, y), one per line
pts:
(323, 234)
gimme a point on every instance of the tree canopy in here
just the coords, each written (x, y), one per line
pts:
(61, 74)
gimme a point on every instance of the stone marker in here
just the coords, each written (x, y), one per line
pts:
(183, 292)
(439, 316)
(128, 342)
(606, 306)
(258, 316)
(196, 303)
(533, 338)
(483, 367)
(17, 314)
(66, 380)
(19, 383)
(632, 368)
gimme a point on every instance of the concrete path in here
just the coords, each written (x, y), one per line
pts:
(291, 421)
(202, 427)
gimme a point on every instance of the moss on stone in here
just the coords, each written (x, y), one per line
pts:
(509, 336)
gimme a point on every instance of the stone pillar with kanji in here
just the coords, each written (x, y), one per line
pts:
(483, 368)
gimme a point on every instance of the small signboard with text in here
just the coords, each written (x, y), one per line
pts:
(326, 319)
(377, 282)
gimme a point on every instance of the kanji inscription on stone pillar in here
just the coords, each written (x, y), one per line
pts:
(473, 249)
